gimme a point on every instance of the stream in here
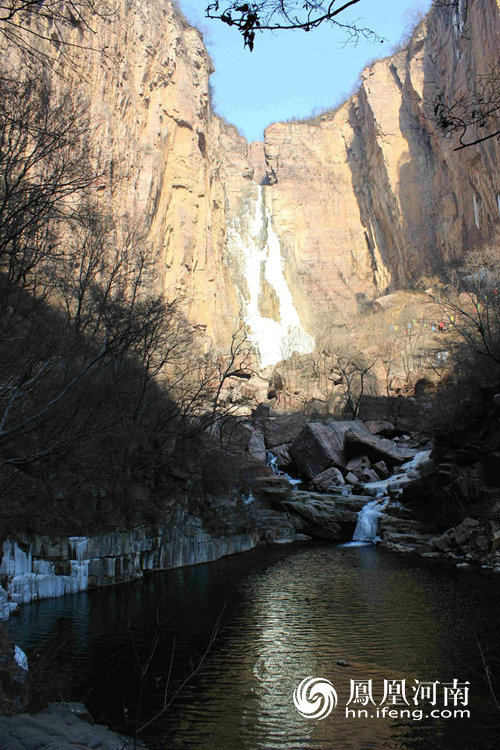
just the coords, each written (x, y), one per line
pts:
(286, 612)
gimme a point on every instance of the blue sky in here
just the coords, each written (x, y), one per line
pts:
(292, 74)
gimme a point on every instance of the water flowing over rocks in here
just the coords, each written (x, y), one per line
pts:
(338, 503)
(325, 516)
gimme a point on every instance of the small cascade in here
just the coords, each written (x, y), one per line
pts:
(272, 462)
(368, 517)
(255, 248)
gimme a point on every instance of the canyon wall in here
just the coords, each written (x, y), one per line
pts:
(168, 164)
(368, 197)
(363, 199)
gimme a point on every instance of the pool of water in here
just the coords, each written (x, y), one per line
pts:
(283, 614)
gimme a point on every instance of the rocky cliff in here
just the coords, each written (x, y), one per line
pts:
(368, 197)
(169, 165)
(358, 200)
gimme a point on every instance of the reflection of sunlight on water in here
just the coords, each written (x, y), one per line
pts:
(289, 614)
(305, 623)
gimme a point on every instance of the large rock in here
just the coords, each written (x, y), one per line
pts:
(382, 427)
(321, 445)
(272, 487)
(358, 464)
(283, 429)
(381, 469)
(326, 516)
(257, 446)
(282, 455)
(59, 727)
(328, 479)
(376, 448)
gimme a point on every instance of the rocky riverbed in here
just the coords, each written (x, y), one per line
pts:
(326, 479)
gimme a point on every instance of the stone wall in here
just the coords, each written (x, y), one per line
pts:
(37, 567)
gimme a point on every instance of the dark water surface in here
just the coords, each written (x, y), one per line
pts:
(287, 613)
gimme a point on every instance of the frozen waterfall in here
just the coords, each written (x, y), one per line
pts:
(368, 517)
(255, 248)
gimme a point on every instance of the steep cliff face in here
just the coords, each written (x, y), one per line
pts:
(170, 165)
(368, 197)
(359, 200)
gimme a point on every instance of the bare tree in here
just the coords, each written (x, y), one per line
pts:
(475, 116)
(34, 27)
(472, 306)
(354, 369)
(276, 15)
(45, 167)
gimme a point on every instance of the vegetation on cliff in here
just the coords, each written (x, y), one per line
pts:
(103, 386)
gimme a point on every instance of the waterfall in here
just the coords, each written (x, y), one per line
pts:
(272, 462)
(255, 248)
(368, 518)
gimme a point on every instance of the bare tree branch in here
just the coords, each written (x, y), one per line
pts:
(277, 15)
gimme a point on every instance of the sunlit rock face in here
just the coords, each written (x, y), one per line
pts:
(368, 196)
(169, 164)
(354, 202)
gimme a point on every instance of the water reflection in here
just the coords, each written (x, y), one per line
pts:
(288, 614)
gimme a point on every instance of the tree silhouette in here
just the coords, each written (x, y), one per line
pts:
(276, 15)
(476, 115)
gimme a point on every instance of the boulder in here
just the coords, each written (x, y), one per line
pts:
(282, 455)
(325, 516)
(273, 488)
(236, 433)
(352, 478)
(381, 427)
(482, 542)
(381, 469)
(257, 446)
(321, 445)
(368, 476)
(283, 429)
(328, 479)
(59, 728)
(376, 448)
(360, 462)
(464, 530)
(443, 543)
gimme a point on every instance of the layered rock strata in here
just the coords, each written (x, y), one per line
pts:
(37, 567)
